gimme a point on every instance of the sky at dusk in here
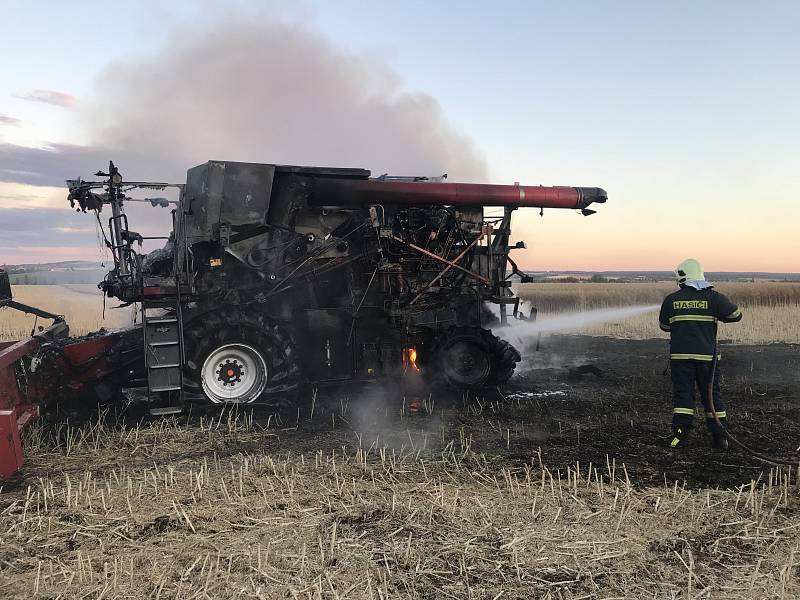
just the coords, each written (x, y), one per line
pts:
(687, 113)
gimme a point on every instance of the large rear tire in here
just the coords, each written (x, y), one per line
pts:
(237, 356)
(467, 358)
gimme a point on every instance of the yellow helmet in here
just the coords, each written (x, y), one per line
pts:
(689, 270)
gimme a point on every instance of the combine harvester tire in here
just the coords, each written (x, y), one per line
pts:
(241, 357)
(468, 358)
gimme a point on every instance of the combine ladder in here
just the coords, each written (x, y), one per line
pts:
(164, 356)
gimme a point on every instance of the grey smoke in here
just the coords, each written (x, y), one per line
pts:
(249, 91)
(272, 93)
(374, 415)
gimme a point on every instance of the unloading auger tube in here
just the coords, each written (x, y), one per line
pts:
(377, 191)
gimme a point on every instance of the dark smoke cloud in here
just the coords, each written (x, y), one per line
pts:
(6, 120)
(272, 93)
(49, 97)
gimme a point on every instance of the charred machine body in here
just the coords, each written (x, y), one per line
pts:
(278, 276)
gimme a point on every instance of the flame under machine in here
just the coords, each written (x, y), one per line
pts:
(277, 276)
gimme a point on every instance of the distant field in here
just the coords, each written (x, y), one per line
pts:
(771, 310)
(81, 304)
(570, 297)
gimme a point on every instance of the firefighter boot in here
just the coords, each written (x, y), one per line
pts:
(679, 435)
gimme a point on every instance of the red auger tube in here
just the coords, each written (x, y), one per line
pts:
(338, 192)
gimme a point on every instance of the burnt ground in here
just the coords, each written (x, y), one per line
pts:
(624, 411)
(586, 400)
(575, 399)
(592, 399)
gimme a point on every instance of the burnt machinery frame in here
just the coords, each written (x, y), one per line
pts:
(275, 276)
(279, 275)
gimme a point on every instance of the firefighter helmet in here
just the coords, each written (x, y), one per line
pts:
(689, 270)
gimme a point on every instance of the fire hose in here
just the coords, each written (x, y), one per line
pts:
(711, 409)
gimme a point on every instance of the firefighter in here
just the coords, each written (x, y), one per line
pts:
(690, 316)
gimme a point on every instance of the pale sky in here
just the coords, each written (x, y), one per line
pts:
(687, 113)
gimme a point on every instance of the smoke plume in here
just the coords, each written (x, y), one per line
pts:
(271, 93)
(257, 90)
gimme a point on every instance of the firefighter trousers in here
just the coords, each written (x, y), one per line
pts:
(686, 375)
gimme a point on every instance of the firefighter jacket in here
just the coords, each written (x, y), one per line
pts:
(690, 316)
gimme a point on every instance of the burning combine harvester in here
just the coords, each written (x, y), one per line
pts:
(275, 276)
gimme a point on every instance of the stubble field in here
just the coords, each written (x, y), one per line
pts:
(772, 309)
(559, 486)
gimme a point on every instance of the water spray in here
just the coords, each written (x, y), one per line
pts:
(522, 330)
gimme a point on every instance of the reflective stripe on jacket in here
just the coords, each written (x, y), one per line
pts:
(690, 316)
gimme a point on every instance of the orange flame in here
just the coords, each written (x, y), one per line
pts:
(412, 358)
